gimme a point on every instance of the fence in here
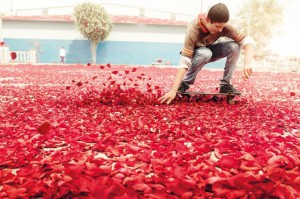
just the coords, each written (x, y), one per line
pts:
(22, 56)
(113, 9)
(274, 67)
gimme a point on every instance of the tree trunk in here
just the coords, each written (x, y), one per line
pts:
(94, 51)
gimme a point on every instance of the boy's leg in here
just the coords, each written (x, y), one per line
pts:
(201, 56)
(231, 50)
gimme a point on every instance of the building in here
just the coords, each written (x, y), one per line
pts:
(134, 40)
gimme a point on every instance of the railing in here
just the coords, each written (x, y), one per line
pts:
(4, 55)
(274, 67)
(25, 56)
(113, 9)
(22, 56)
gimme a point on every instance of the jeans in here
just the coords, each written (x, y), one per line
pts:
(203, 55)
(62, 59)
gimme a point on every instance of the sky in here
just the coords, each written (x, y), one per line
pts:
(286, 43)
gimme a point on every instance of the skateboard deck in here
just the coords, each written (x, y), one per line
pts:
(208, 93)
(215, 96)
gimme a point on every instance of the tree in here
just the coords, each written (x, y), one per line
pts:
(261, 20)
(37, 47)
(93, 23)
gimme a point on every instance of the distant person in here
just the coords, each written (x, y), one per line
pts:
(62, 54)
(200, 47)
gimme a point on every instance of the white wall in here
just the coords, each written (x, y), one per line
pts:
(68, 31)
(40, 30)
(147, 33)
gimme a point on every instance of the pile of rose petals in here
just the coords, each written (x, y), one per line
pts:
(98, 131)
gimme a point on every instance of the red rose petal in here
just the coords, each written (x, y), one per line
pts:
(274, 161)
(14, 192)
(228, 162)
(74, 170)
(116, 140)
(116, 190)
(79, 84)
(178, 172)
(13, 55)
(83, 183)
(293, 94)
(44, 128)
(133, 148)
(285, 191)
(142, 187)
(133, 70)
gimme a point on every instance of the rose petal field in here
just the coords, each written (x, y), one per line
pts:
(98, 131)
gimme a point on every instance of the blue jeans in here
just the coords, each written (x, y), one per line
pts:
(203, 55)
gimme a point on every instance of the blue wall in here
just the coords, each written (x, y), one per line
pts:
(114, 52)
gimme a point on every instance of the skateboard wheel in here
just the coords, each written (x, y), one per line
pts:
(231, 101)
(216, 98)
(183, 97)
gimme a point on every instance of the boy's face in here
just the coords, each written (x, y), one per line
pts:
(214, 27)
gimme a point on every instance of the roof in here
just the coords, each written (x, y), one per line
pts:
(114, 19)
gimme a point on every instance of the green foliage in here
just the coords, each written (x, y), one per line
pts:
(261, 20)
(92, 21)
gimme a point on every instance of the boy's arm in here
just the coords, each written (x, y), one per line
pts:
(247, 43)
(184, 63)
(169, 96)
(249, 54)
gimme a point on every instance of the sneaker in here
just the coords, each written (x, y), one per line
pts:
(228, 88)
(183, 87)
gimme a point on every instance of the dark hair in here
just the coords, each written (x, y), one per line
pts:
(218, 13)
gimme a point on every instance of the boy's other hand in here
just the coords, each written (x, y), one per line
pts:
(246, 73)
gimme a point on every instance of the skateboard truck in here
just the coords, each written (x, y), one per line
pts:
(199, 96)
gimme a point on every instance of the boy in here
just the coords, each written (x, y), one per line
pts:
(200, 48)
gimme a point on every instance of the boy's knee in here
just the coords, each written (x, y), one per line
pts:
(234, 47)
(204, 55)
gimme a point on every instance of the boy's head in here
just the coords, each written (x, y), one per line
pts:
(217, 17)
(218, 13)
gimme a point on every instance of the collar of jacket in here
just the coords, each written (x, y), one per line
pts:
(202, 16)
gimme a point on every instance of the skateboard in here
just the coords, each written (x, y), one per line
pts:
(214, 96)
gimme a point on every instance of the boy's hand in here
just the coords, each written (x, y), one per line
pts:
(168, 97)
(246, 73)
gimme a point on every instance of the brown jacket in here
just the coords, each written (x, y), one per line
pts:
(197, 36)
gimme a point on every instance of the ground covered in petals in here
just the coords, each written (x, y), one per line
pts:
(98, 131)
